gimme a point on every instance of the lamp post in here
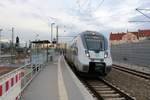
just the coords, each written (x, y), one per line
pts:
(52, 31)
(0, 43)
(57, 35)
(12, 45)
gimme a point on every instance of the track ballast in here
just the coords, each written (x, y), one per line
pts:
(103, 90)
(133, 72)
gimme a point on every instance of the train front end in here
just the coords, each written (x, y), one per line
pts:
(97, 53)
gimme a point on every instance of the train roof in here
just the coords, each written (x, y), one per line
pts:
(88, 32)
(91, 33)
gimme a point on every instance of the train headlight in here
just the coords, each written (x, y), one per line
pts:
(87, 53)
(105, 54)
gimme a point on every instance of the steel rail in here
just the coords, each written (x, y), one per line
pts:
(99, 96)
(132, 71)
(96, 94)
(126, 96)
(95, 91)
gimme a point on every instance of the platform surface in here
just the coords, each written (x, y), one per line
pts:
(56, 82)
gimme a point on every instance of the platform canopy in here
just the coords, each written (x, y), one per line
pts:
(41, 41)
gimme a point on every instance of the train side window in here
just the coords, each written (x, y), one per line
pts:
(72, 49)
(76, 48)
(76, 51)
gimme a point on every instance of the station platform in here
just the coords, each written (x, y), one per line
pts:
(56, 82)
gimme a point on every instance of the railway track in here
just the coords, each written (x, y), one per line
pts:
(133, 72)
(102, 90)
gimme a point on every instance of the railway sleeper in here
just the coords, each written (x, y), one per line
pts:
(106, 92)
(116, 95)
(103, 86)
(97, 84)
(103, 89)
(115, 98)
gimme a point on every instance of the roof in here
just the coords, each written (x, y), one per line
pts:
(144, 33)
(43, 41)
(116, 36)
(135, 33)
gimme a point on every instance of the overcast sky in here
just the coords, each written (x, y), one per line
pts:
(31, 17)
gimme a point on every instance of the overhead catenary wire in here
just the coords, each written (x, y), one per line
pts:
(100, 4)
(143, 9)
(88, 5)
(143, 13)
(141, 21)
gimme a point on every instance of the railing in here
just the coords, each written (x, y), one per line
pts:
(13, 83)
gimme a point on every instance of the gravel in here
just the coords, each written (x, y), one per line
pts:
(133, 85)
(4, 70)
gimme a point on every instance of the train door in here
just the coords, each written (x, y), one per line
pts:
(75, 53)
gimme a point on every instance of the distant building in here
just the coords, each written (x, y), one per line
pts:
(144, 33)
(129, 38)
(119, 38)
(116, 38)
(4, 47)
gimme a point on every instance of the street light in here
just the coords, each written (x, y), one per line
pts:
(52, 31)
(0, 43)
(12, 45)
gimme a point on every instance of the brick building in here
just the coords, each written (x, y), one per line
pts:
(119, 38)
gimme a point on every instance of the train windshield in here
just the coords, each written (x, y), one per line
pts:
(96, 43)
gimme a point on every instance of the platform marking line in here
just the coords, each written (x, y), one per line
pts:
(85, 93)
(61, 86)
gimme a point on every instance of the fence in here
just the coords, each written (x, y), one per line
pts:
(132, 54)
(14, 82)
(17, 58)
